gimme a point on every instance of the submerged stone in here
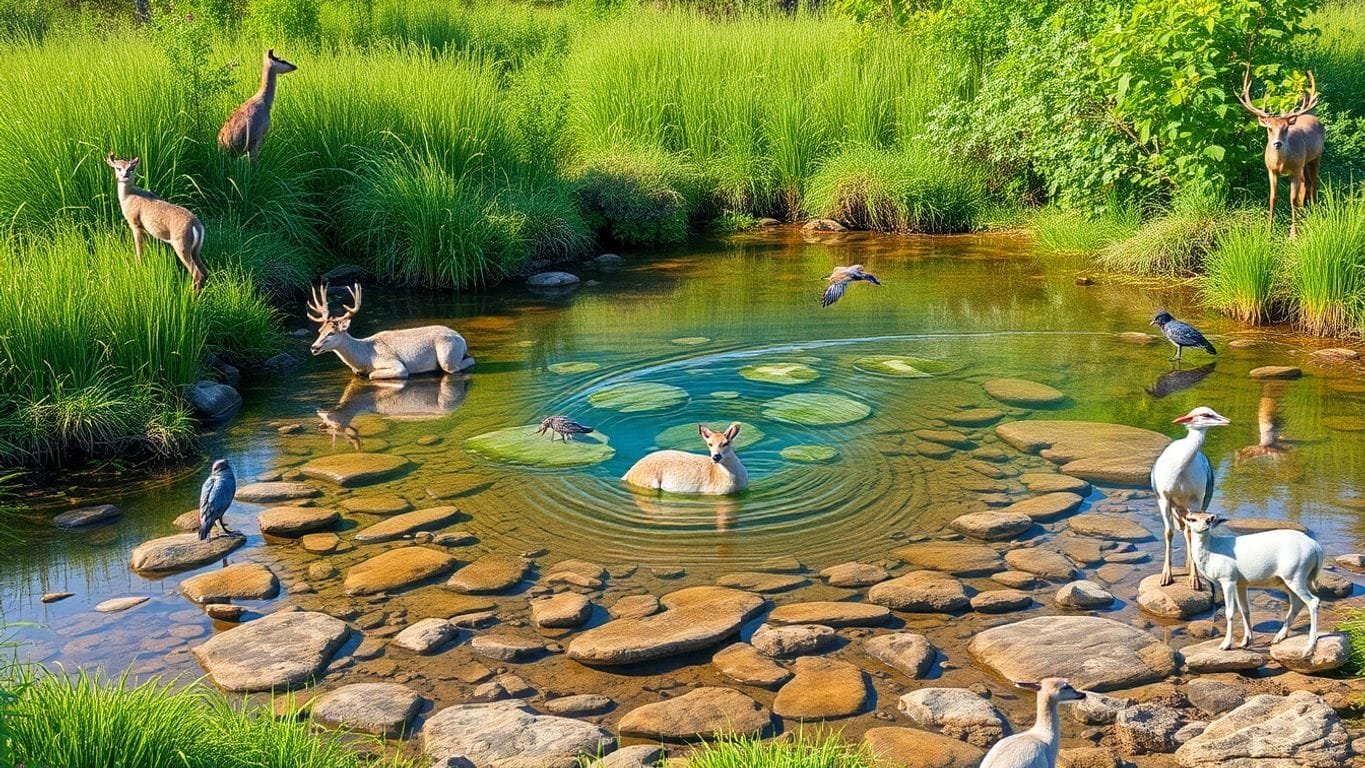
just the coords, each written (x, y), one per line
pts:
(780, 373)
(525, 446)
(684, 437)
(816, 409)
(822, 688)
(902, 366)
(570, 368)
(395, 569)
(409, 523)
(79, 518)
(809, 454)
(691, 341)
(353, 469)
(1114, 454)
(636, 397)
(273, 652)
(1022, 392)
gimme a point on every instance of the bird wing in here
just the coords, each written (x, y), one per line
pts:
(871, 278)
(205, 494)
(1208, 482)
(833, 293)
(1185, 335)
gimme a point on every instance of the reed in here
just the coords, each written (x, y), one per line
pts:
(1326, 273)
(1240, 273)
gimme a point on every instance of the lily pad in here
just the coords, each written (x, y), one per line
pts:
(573, 367)
(726, 394)
(684, 436)
(816, 409)
(691, 341)
(780, 373)
(902, 366)
(809, 454)
(524, 446)
(638, 396)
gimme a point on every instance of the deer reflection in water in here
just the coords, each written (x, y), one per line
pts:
(419, 399)
(1271, 423)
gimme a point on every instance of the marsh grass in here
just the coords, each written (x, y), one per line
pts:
(804, 751)
(1327, 272)
(1240, 273)
(1173, 243)
(896, 191)
(1064, 231)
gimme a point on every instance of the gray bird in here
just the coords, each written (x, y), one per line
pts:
(1181, 334)
(216, 497)
(840, 278)
(563, 426)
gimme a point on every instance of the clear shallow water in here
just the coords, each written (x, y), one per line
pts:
(692, 319)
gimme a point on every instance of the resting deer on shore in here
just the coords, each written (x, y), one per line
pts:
(387, 354)
(246, 128)
(148, 214)
(1293, 148)
(716, 474)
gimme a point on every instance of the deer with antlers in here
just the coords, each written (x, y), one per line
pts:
(387, 354)
(1293, 147)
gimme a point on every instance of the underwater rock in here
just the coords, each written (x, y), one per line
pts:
(830, 613)
(83, 516)
(780, 373)
(743, 663)
(854, 575)
(395, 569)
(694, 618)
(525, 446)
(956, 558)
(377, 504)
(489, 574)
(902, 366)
(1114, 454)
(551, 280)
(571, 368)
(822, 688)
(211, 401)
(816, 409)
(636, 397)
(1024, 393)
(408, 523)
(809, 454)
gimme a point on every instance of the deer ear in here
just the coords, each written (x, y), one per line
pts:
(135, 161)
(1028, 686)
(1219, 520)
(270, 53)
(731, 431)
(704, 432)
(1290, 120)
(342, 324)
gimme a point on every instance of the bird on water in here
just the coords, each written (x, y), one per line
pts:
(1182, 478)
(840, 278)
(216, 497)
(1181, 334)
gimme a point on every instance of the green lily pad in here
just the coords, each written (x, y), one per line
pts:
(726, 394)
(809, 454)
(684, 436)
(815, 409)
(573, 367)
(780, 373)
(638, 396)
(524, 446)
(902, 366)
(691, 341)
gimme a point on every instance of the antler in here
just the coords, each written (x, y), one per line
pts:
(1310, 99)
(317, 305)
(1245, 96)
(351, 311)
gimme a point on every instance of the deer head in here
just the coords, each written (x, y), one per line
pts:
(331, 330)
(124, 170)
(1277, 125)
(277, 65)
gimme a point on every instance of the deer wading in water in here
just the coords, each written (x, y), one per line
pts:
(387, 354)
(246, 128)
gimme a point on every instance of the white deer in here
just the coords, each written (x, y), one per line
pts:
(387, 354)
(1038, 746)
(716, 474)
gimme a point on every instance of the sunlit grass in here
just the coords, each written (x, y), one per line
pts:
(1063, 231)
(1240, 273)
(1327, 271)
(824, 751)
(896, 191)
(1174, 242)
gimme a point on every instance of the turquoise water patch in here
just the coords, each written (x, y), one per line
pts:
(902, 366)
(525, 446)
(780, 373)
(638, 396)
(815, 409)
(684, 437)
(809, 454)
(573, 367)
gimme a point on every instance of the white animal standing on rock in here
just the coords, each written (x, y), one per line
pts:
(1038, 746)
(1182, 478)
(387, 354)
(148, 214)
(1259, 559)
(716, 474)
(245, 129)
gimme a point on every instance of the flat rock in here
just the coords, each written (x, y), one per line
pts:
(1147, 729)
(945, 437)
(289, 522)
(1051, 482)
(560, 611)
(1023, 393)
(264, 493)
(1089, 757)
(551, 280)
(635, 756)
(694, 618)
(955, 712)
(1106, 527)
(763, 583)
(992, 526)
(1332, 652)
(1111, 454)
(383, 709)
(1352, 562)
(181, 552)
(1276, 372)
(319, 543)
(505, 647)
(409, 523)
(243, 581)
(224, 612)
(830, 613)
(580, 705)
(426, 636)
(83, 516)
(974, 417)
(116, 604)
(1336, 353)
(1001, 601)
(1043, 563)
(1205, 657)
(1214, 697)
(1015, 579)
(1137, 337)
(1048, 506)
(743, 663)
(855, 575)
(1295, 731)
(793, 640)
(377, 504)
(701, 713)
(951, 557)
(1083, 595)
(921, 592)
(507, 735)
(1094, 653)
(276, 651)
(913, 748)
(489, 574)
(1174, 601)
(910, 654)
(634, 607)
(349, 470)
(396, 569)
(821, 689)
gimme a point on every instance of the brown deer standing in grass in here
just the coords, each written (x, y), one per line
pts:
(1293, 148)
(246, 128)
(167, 222)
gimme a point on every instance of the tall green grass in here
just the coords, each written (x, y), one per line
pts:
(1240, 272)
(898, 191)
(1174, 242)
(1327, 272)
(1059, 230)
(804, 751)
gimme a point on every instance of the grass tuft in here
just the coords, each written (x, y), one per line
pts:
(804, 751)
(1239, 273)
(1327, 271)
(1059, 231)
(896, 192)
(1175, 243)
(640, 197)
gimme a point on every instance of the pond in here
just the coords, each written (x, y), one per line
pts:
(851, 433)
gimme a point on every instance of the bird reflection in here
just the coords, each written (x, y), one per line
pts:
(420, 399)
(1178, 379)
(1271, 423)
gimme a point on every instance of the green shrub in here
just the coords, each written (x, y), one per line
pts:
(1327, 269)
(1353, 626)
(636, 197)
(1239, 274)
(898, 192)
(1174, 243)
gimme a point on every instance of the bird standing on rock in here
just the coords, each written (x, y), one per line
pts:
(840, 278)
(1182, 478)
(1181, 334)
(216, 497)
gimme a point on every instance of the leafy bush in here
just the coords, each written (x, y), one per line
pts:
(636, 198)
(896, 191)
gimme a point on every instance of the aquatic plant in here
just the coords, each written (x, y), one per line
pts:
(1327, 268)
(1058, 230)
(1239, 274)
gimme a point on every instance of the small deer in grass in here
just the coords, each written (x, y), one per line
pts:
(387, 354)
(246, 128)
(717, 474)
(1293, 148)
(148, 214)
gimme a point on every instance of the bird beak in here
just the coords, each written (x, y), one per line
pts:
(1152, 323)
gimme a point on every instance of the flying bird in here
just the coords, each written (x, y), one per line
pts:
(563, 426)
(1182, 478)
(1181, 334)
(840, 278)
(216, 497)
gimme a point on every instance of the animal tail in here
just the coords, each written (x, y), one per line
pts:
(1317, 568)
(1208, 347)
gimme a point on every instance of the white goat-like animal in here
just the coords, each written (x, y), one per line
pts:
(716, 474)
(1183, 481)
(1259, 559)
(387, 354)
(1038, 746)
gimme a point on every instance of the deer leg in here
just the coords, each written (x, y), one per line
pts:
(1245, 605)
(398, 372)
(1312, 169)
(1189, 561)
(1274, 184)
(1295, 605)
(1295, 200)
(137, 243)
(182, 252)
(1230, 611)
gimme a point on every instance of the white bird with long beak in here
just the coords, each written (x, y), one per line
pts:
(1182, 478)
(1038, 746)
